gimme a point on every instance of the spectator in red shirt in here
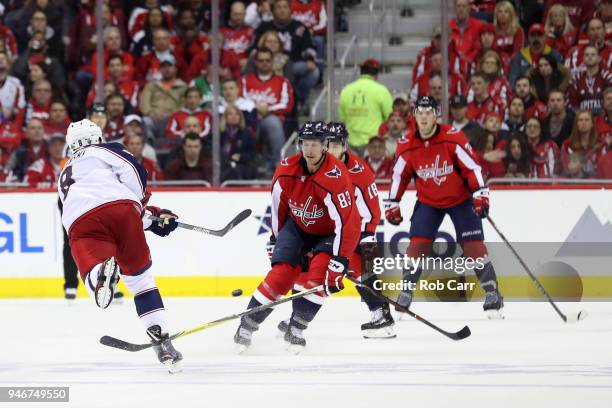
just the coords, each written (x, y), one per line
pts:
(544, 153)
(603, 122)
(31, 149)
(175, 127)
(586, 90)
(497, 85)
(149, 65)
(127, 87)
(509, 36)
(380, 164)
(549, 75)
(134, 143)
(579, 11)
(273, 97)
(486, 41)
(58, 120)
(457, 85)
(482, 103)
(312, 14)
(560, 33)
(596, 37)
(533, 107)
(8, 40)
(464, 30)
(142, 41)
(604, 162)
(489, 154)
(191, 164)
(40, 103)
(583, 140)
(518, 157)
(237, 38)
(44, 172)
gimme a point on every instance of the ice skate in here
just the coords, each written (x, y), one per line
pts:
(380, 326)
(166, 353)
(108, 276)
(404, 299)
(283, 326)
(294, 339)
(70, 295)
(494, 305)
(118, 297)
(242, 338)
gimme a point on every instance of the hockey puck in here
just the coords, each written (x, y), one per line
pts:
(237, 292)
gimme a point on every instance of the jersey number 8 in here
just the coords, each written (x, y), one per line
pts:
(344, 199)
(66, 180)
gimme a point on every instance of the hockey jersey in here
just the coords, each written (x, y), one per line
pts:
(174, 126)
(276, 92)
(586, 92)
(545, 160)
(97, 176)
(444, 166)
(321, 204)
(42, 174)
(312, 14)
(366, 192)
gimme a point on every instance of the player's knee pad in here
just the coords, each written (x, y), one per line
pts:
(419, 247)
(279, 281)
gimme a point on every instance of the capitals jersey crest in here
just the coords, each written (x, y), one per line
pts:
(357, 168)
(306, 216)
(334, 173)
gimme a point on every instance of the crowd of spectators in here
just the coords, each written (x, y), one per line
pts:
(529, 83)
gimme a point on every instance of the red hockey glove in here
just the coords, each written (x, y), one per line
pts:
(392, 212)
(336, 268)
(166, 225)
(270, 247)
(480, 199)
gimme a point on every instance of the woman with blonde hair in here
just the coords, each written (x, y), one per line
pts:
(509, 36)
(281, 64)
(560, 33)
(499, 88)
(583, 140)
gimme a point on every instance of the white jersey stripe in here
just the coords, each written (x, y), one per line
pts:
(276, 195)
(396, 179)
(467, 160)
(364, 210)
(335, 216)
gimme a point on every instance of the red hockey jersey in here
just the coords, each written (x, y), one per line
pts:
(545, 160)
(586, 92)
(604, 127)
(477, 111)
(444, 166)
(42, 174)
(366, 192)
(420, 88)
(573, 60)
(312, 14)
(236, 43)
(320, 204)
(276, 92)
(174, 127)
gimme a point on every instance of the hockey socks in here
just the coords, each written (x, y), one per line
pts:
(487, 277)
(148, 301)
(368, 298)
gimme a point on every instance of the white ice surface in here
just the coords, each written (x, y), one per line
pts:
(531, 359)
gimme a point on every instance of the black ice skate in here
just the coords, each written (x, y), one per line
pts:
(282, 327)
(70, 294)
(381, 325)
(166, 353)
(404, 299)
(242, 338)
(494, 305)
(107, 283)
(294, 338)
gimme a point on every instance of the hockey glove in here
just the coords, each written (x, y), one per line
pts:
(392, 212)
(368, 247)
(166, 225)
(270, 247)
(480, 199)
(336, 268)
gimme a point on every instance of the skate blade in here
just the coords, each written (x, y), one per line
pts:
(294, 349)
(240, 349)
(173, 368)
(383, 333)
(495, 314)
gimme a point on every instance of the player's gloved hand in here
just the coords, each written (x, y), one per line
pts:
(270, 246)
(336, 268)
(392, 212)
(166, 225)
(481, 202)
(368, 246)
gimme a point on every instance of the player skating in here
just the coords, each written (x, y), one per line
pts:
(365, 195)
(103, 191)
(448, 181)
(312, 211)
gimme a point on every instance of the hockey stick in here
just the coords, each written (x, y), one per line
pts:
(218, 233)
(566, 318)
(124, 345)
(460, 335)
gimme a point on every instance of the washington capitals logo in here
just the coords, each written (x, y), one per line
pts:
(438, 174)
(285, 162)
(334, 173)
(303, 214)
(357, 168)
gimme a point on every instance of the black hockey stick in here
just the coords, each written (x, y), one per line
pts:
(460, 335)
(124, 345)
(218, 233)
(566, 318)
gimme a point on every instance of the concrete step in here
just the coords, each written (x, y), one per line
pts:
(402, 54)
(433, 5)
(422, 23)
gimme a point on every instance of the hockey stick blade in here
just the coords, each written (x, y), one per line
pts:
(124, 345)
(460, 335)
(243, 215)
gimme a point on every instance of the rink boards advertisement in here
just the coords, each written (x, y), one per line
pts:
(557, 231)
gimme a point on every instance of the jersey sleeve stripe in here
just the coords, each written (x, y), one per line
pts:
(334, 214)
(470, 163)
(276, 196)
(396, 178)
(364, 210)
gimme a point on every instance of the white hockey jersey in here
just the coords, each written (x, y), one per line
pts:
(96, 176)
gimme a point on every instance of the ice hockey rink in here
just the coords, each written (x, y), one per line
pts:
(530, 359)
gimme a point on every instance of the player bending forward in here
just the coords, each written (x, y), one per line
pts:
(103, 191)
(312, 211)
(365, 195)
(448, 181)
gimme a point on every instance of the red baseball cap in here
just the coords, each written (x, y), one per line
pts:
(536, 28)
(371, 62)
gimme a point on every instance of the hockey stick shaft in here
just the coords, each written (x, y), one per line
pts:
(124, 345)
(460, 335)
(219, 233)
(524, 265)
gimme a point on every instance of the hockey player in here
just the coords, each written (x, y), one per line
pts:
(103, 192)
(365, 194)
(448, 181)
(312, 211)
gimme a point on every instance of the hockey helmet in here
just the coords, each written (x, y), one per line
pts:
(426, 102)
(337, 132)
(83, 133)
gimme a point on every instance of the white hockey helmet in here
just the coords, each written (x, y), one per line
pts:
(83, 133)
